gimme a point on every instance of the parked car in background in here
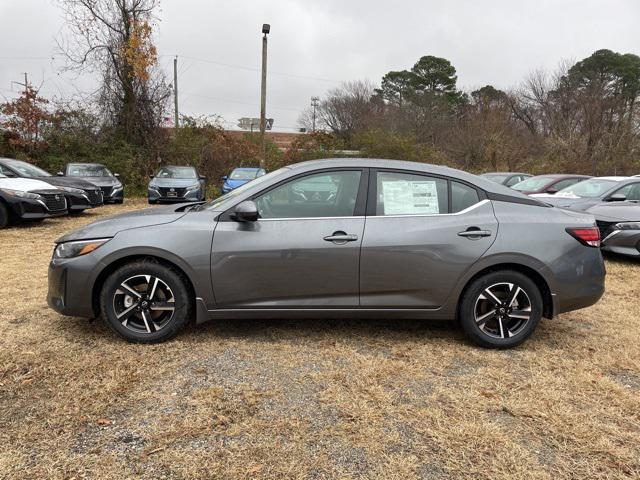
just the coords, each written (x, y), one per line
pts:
(391, 240)
(99, 175)
(508, 179)
(176, 184)
(594, 191)
(27, 199)
(239, 177)
(619, 224)
(550, 184)
(79, 193)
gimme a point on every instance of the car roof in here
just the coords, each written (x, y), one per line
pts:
(85, 164)
(179, 166)
(505, 173)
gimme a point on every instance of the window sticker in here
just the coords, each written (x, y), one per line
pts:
(401, 197)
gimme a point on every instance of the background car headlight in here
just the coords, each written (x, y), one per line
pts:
(21, 194)
(627, 226)
(72, 190)
(193, 187)
(78, 248)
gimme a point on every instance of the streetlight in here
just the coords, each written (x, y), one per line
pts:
(266, 28)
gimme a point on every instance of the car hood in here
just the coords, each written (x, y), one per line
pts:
(617, 212)
(174, 182)
(24, 184)
(99, 181)
(110, 226)
(71, 182)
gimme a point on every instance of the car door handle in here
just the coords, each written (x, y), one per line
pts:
(341, 237)
(474, 233)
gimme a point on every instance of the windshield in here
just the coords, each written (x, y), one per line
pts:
(213, 204)
(243, 174)
(495, 177)
(177, 172)
(26, 169)
(88, 171)
(532, 184)
(589, 188)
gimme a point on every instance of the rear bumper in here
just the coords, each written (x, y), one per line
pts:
(581, 281)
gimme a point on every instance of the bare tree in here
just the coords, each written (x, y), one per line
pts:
(113, 38)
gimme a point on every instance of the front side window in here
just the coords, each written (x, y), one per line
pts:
(631, 191)
(326, 194)
(410, 194)
(27, 170)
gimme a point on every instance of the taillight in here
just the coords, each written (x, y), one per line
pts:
(589, 236)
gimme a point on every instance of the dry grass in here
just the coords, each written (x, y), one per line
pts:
(309, 399)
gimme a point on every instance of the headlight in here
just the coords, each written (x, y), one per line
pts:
(193, 187)
(627, 226)
(21, 194)
(78, 248)
(117, 186)
(77, 191)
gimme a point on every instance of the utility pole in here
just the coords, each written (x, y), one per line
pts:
(315, 103)
(266, 28)
(175, 92)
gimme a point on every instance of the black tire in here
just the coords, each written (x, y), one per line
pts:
(507, 328)
(153, 202)
(113, 297)
(119, 202)
(76, 212)
(4, 215)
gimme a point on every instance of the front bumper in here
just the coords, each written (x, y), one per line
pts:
(189, 196)
(112, 194)
(69, 294)
(623, 242)
(32, 209)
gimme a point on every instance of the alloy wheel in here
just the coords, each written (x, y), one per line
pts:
(502, 310)
(144, 304)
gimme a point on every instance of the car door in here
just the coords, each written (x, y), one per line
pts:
(422, 233)
(303, 251)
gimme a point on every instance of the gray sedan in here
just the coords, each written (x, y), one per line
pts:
(336, 238)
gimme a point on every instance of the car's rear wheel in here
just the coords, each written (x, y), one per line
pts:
(500, 309)
(4, 216)
(146, 302)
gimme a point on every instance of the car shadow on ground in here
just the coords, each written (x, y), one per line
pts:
(622, 259)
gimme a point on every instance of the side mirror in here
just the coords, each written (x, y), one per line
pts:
(551, 190)
(117, 175)
(60, 174)
(224, 178)
(202, 177)
(246, 211)
(150, 176)
(617, 197)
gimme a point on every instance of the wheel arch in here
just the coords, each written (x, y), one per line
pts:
(121, 261)
(531, 273)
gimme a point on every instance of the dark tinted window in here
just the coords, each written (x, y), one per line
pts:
(566, 183)
(462, 196)
(326, 194)
(409, 194)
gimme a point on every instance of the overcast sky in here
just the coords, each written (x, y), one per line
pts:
(315, 44)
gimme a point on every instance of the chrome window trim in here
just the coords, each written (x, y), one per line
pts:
(310, 218)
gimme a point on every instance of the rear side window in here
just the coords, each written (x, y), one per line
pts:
(409, 194)
(462, 196)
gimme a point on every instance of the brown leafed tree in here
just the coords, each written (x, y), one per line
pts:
(25, 117)
(113, 39)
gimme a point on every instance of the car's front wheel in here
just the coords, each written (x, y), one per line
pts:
(4, 216)
(146, 302)
(500, 309)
